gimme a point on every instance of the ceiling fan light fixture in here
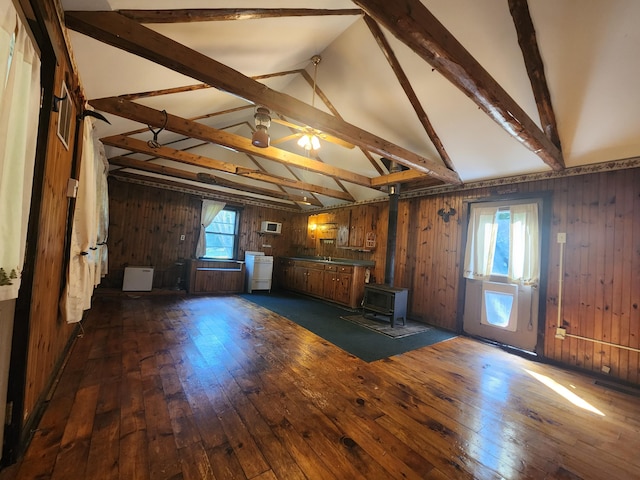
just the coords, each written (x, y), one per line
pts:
(260, 137)
(309, 142)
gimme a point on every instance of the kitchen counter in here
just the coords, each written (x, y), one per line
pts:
(339, 280)
(336, 261)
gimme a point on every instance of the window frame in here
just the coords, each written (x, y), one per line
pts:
(236, 233)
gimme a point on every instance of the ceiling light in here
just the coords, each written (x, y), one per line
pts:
(260, 137)
(309, 142)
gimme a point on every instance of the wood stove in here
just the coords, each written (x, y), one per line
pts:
(386, 300)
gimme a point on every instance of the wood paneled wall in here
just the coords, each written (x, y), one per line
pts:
(600, 213)
(48, 334)
(145, 225)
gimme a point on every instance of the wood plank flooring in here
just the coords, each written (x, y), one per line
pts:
(219, 388)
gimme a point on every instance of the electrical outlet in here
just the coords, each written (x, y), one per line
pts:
(561, 333)
(562, 237)
(182, 237)
(606, 369)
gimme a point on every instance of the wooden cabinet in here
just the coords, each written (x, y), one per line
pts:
(216, 277)
(343, 284)
(338, 281)
(284, 272)
(362, 227)
(307, 277)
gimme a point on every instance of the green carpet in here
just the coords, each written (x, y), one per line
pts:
(381, 324)
(324, 320)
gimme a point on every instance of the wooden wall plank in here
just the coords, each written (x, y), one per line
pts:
(598, 212)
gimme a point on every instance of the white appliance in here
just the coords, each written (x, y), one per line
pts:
(137, 279)
(271, 227)
(259, 270)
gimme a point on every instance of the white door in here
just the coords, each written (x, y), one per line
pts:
(502, 268)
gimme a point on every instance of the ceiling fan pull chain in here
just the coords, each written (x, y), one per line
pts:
(154, 143)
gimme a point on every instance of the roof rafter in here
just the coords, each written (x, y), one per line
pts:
(413, 24)
(122, 32)
(147, 115)
(226, 14)
(139, 146)
(389, 54)
(535, 68)
(206, 178)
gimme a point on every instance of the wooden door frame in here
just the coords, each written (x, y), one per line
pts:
(546, 198)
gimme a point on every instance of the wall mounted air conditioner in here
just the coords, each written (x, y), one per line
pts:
(137, 279)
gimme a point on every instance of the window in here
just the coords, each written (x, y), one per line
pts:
(501, 249)
(503, 240)
(499, 305)
(12, 46)
(221, 236)
(64, 116)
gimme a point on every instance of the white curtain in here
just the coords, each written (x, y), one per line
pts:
(102, 209)
(524, 245)
(210, 209)
(88, 230)
(481, 243)
(19, 110)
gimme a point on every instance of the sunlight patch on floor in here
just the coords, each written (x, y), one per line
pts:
(565, 392)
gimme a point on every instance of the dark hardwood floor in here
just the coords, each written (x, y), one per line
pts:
(216, 387)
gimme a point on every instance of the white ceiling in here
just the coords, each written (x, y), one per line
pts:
(589, 49)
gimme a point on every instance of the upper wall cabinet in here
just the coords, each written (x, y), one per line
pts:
(350, 228)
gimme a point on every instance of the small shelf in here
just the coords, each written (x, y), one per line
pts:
(357, 249)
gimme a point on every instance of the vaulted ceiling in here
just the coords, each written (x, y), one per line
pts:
(444, 91)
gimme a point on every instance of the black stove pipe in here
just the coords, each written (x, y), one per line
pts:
(392, 229)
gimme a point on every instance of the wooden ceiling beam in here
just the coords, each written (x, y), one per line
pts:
(155, 118)
(299, 185)
(397, 177)
(390, 55)
(139, 146)
(167, 184)
(226, 14)
(119, 31)
(201, 86)
(413, 24)
(206, 178)
(535, 68)
(336, 114)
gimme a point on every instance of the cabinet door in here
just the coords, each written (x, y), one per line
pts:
(343, 288)
(315, 279)
(300, 279)
(329, 285)
(356, 236)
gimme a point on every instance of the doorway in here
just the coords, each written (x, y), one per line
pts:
(502, 272)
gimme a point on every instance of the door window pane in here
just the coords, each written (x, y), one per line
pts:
(498, 308)
(501, 253)
(500, 305)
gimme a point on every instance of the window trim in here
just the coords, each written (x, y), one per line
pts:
(236, 234)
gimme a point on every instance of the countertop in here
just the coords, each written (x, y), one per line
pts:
(337, 261)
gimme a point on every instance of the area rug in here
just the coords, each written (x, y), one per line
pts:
(383, 325)
(323, 319)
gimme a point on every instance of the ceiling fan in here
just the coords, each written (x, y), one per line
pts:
(310, 132)
(308, 137)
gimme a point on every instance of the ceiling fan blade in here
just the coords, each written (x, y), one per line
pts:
(313, 131)
(285, 139)
(336, 140)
